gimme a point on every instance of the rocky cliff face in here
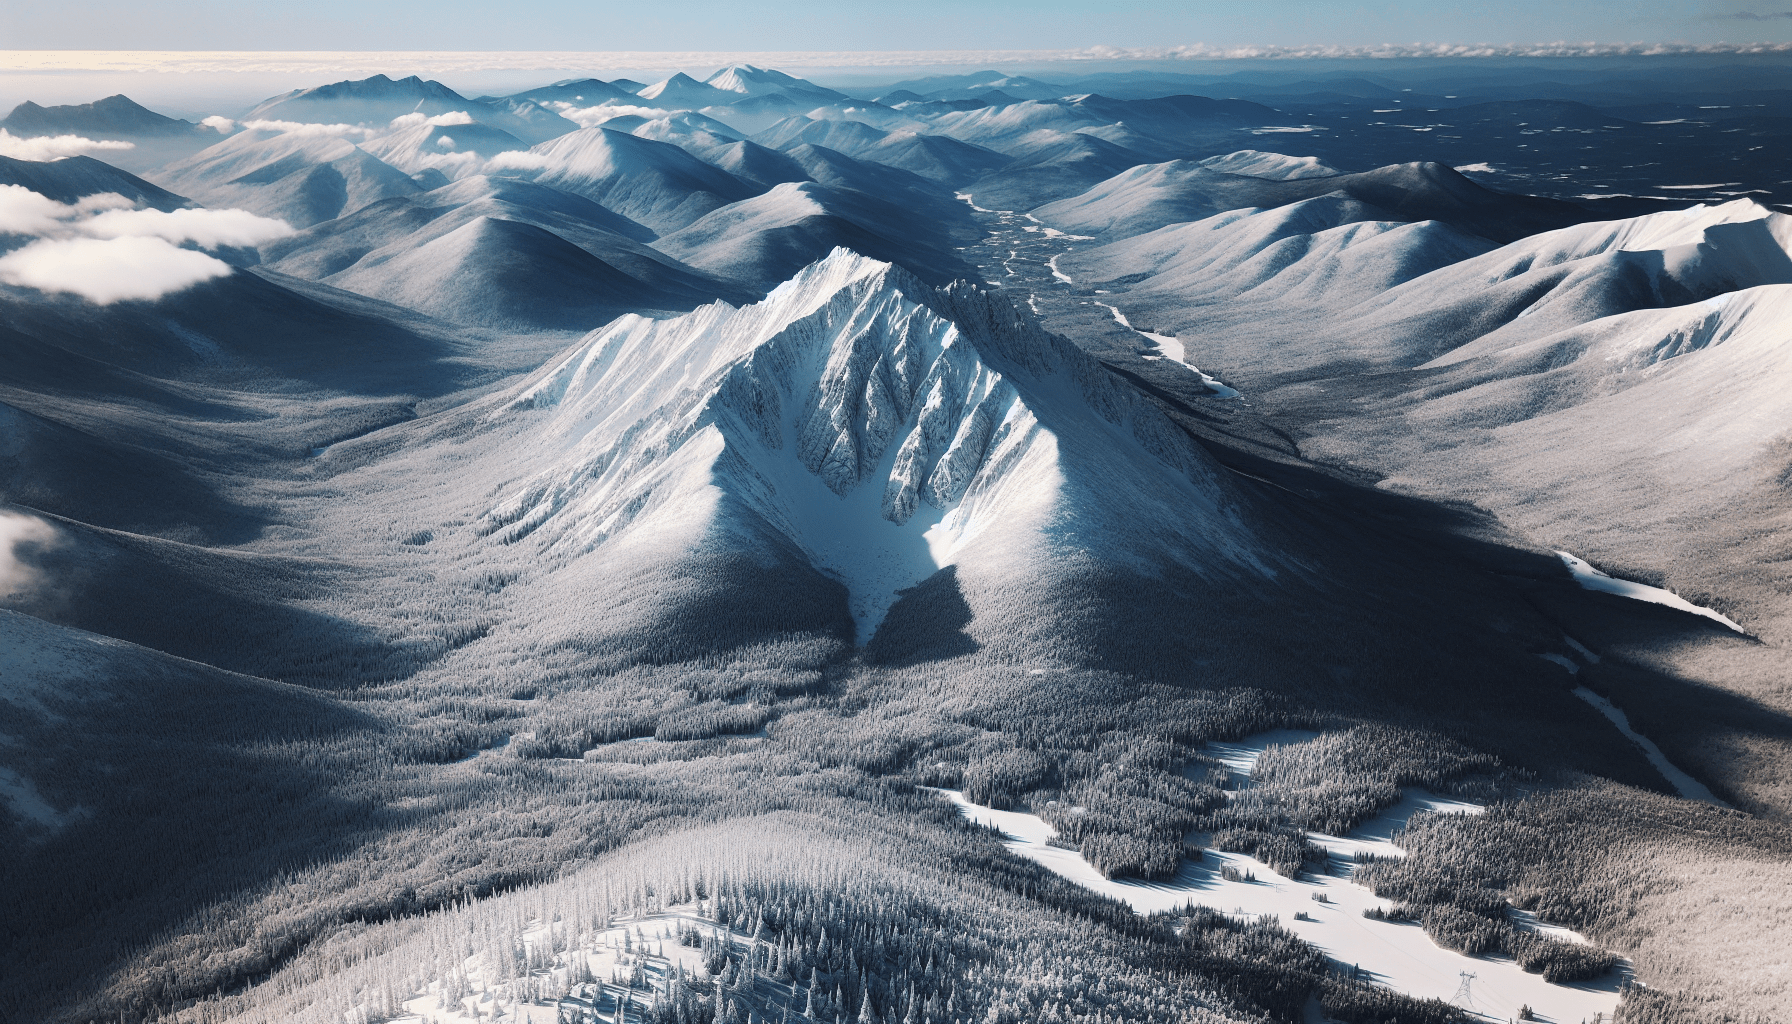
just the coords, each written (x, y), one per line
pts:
(882, 427)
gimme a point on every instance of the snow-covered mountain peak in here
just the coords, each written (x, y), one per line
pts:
(1275, 166)
(1679, 256)
(882, 428)
(1665, 230)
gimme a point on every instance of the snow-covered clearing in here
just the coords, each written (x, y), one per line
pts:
(1168, 347)
(1398, 955)
(1592, 579)
(622, 968)
(1684, 784)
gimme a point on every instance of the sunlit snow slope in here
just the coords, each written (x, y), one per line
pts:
(884, 429)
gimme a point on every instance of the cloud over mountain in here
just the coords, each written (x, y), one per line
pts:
(104, 250)
(54, 147)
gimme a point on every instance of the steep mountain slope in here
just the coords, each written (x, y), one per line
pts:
(497, 252)
(682, 92)
(158, 733)
(70, 178)
(849, 137)
(1332, 250)
(938, 158)
(843, 427)
(1006, 128)
(154, 139)
(1054, 164)
(654, 183)
(1148, 197)
(496, 272)
(111, 117)
(458, 150)
(1600, 386)
(748, 80)
(527, 120)
(578, 92)
(301, 177)
(377, 100)
(764, 240)
(1629, 404)
(721, 146)
(890, 184)
(1183, 276)
(684, 124)
(935, 157)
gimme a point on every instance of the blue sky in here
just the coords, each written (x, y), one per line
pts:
(866, 25)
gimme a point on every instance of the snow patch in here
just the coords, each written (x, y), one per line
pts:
(1592, 579)
(1397, 955)
(1684, 784)
(1168, 347)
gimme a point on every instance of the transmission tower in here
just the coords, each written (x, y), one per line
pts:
(1462, 997)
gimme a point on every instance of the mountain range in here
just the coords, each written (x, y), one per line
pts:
(603, 551)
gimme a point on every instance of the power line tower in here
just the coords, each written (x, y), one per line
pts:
(1462, 997)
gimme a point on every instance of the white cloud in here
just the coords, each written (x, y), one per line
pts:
(303, 128)
(53, 147)
(518, 160)
(24, 212)
(104, 250)
(16, 530)
(223, 125)
(209, 228)
(417, 118)
(454, 165)
(586, 117)
(107, 270)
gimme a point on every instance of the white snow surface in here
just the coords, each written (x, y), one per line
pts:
(1397, 955)
(751, 80)
(1684, 784)
(1168, 347)
(1316, 250)
(457, 150)
(1150, 196)
(1592, 579)
(1255, 163)
(847, 415)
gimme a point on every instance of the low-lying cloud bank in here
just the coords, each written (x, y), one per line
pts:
(104, 250)
(54, 147)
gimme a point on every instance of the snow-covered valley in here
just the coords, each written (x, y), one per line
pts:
(1327, 909)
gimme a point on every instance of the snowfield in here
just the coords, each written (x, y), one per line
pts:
(1592, 579)
(1684, 784)
(1168, 347)
(1398, 955)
